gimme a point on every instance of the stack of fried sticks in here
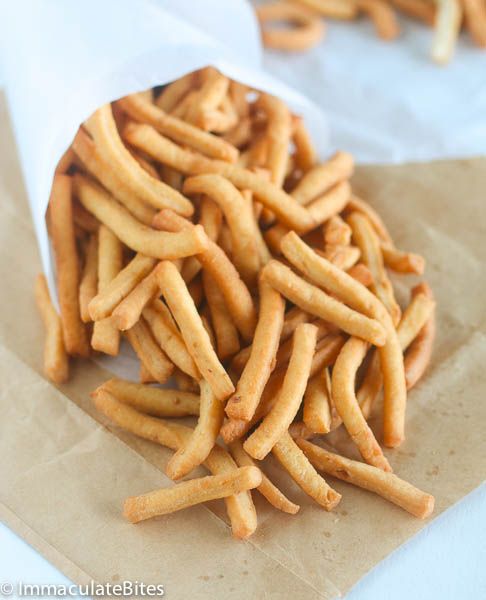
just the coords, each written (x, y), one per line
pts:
(198, 223)
(305, 27)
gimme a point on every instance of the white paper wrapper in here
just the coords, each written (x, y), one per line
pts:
(62, 60)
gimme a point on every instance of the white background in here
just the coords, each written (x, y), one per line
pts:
(385, 103)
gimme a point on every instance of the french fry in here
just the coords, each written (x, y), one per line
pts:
(413, 320)
(154, 192)
(446, 29)
(402, 262)
(383, 17)
(144, 375)
(267, 489)
(208, 98)
(326, 353)
(128, 312)
(295, 462)
(285, 348)
(475, 14)
(391, 357)
(56, 362)
(84, 219)
(386, 485)
(261, 360)
(317, 411)
(199, 445)
(361, 273)
(149, 352)
(293, 317)
(182, 307)
(163, 150)
(89, 278)
(175, 91)
(169, 338)
(153, 401)
(106, 337)
(226, 334)
(356, 204)
(423, 10)
(190, 493)
(419, 353)
(178, 130)
(185, 382)
(320, 210)
(214, 260)
(131, 232)
(323, 273)
(322, 177)
(305, 153)
(337, 232)
(211, 219)
(346, 403)
(316, 302)
(305, 31)
(240, 507)
(239, 217)
(67, 266)
(344, 257)
(371, 255)
(65, 162)
(277, 133)
(103, 304)
(110, 177)
(278, 420)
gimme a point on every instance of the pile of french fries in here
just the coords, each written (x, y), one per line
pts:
(197, 222)
(306, 27)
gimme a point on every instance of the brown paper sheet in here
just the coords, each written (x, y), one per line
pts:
(64, 475)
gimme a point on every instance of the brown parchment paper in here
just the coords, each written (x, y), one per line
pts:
(64, 474)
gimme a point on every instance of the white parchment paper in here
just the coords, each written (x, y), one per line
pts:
(61, 60)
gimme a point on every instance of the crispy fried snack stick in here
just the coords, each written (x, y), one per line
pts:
(240, 507)
(261, 361)
(267, 489)
(199, 445)
(131, 232)
(215, 261)
(67, 266)
(182, 307)
(190, 493)
(295, 462)
(386, 485)
(154, 192)
(56, 365)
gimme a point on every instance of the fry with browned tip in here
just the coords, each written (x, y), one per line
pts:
(56, 361)
(295, 462)
(386, 485)
(67, 265)
(190, 493)
(198, 344)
